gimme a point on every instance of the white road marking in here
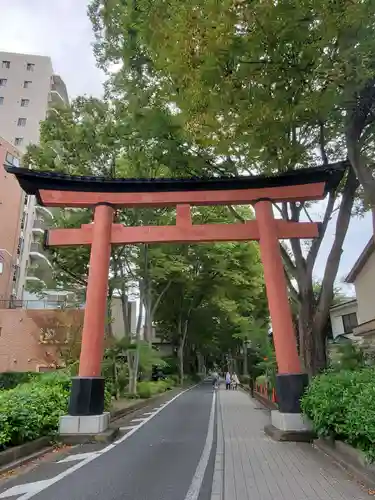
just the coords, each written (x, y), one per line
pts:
(127, 427)
(138, 419)
(29, 490)
(77, 456)
(149, 413)
(197, 481)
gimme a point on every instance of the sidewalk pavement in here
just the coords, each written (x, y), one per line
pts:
(257, 468)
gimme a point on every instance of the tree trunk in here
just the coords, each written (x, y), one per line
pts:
(148, 315)
(314, 313)
(245, 360)
(182, 334)
(125, 313)
(362, 172)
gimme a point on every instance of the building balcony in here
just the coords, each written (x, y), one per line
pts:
(58, 92)
(55, 97)
(37, 252)
(40, 269)
(44, 211)
(39, 226)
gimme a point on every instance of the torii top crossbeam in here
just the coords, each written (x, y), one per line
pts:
(59, 190)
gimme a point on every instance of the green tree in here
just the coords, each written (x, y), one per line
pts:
(265, 87)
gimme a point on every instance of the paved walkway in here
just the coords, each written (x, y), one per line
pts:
(258, 468)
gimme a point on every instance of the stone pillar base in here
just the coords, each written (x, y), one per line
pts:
(289, 427)
(289, 390)
(290, 421)
(84, 424)
(86, 396)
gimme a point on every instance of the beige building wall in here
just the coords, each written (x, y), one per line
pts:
(365, 290)
(117, 318)
(336, 314)
(25, 83)
(27, 89)
(11, 208)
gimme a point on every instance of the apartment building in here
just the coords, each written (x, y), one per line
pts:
(11, 209)
(28, 89)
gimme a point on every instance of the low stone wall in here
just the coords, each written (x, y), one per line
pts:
(351, 459)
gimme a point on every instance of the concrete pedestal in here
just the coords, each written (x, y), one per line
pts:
(290, 421)
(86, 424)
(289, 427)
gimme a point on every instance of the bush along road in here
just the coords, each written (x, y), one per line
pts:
(31, 409)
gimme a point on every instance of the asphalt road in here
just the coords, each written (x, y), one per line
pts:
(166, 458)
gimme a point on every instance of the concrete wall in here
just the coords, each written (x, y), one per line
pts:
(11, 205)
(117, 318)
(337, 313)
(28, 338)
(365, 291)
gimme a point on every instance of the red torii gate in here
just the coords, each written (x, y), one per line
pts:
(107, 195)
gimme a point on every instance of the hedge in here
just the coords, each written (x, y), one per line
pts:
(32, 410)
(342, 406)
(9, 380)
(148, 389)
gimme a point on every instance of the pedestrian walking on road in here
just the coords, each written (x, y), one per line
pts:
(228, 380)
(235, 381)
(215, 381)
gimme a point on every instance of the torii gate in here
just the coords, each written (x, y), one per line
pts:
(107, 195)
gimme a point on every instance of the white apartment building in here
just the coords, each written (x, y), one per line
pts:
(28, 88)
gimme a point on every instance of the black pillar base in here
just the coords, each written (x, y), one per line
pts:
(86, 396)
(289, 390)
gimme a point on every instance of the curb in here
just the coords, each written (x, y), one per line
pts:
(217, 492)
(25, 460)
(349, 459)
(17, 456)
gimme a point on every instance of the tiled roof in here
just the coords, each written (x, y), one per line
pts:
(32, 181)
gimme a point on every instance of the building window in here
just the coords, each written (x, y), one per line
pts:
(21, 122)
(349, 322)
(25, 103)
(3, 82)
(6, 64)
(12, 160)
(30, 66)
(26, 84)
(18, 141)
(1, 100)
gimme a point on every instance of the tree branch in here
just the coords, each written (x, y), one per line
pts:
(161, 294)
(322, 143)
(316, 244)
(293, 292)
(333, 261)
(78, 279)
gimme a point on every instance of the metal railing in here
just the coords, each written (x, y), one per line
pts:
(35, 304)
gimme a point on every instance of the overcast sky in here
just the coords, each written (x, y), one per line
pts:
(60, 29)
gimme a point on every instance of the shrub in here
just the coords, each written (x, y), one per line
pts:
(30, 411)
(148, 389)
(9, 380)
(33, 409)
(244, 379)
(342, 405)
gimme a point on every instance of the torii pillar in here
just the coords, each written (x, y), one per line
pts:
(87, 393)
(290, 381)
